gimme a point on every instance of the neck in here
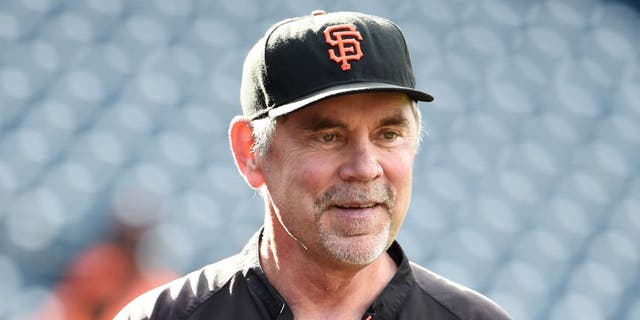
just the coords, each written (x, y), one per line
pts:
(319, 288)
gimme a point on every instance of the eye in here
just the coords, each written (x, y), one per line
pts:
(328, 137)
(389, 135)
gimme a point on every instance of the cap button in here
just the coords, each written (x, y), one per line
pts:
(318, 12)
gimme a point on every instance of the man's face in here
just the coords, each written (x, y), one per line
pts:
(338, 174)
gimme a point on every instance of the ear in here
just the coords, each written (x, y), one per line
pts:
(241, 140)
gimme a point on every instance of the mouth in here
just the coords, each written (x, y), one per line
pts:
(356, 205)
(356, 219)
(356, 211)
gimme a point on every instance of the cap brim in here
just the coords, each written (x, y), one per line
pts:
(346, 89)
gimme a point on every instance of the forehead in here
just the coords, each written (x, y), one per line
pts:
(358, 107)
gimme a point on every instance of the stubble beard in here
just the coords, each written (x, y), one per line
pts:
(340, 245)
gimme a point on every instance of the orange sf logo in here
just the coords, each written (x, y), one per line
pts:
(347, 39)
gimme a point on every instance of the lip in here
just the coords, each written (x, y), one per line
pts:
(355, 213)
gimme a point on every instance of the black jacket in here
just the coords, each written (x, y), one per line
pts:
(237, 288)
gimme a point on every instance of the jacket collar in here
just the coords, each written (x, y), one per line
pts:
(387, 304)
(258, 282)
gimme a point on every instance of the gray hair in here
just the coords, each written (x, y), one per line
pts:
(263, 131)
(265, 128)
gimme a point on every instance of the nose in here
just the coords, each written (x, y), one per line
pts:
(361, 164)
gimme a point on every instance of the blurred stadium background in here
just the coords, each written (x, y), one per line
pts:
(527, 187)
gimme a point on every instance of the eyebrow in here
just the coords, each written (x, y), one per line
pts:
(397, 119)
(321, 123)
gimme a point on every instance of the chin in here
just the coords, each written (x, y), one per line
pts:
(356, 250)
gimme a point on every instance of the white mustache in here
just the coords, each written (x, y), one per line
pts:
(356, 194)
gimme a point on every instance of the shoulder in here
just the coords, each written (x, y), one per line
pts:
(179, 298)
(464, 303)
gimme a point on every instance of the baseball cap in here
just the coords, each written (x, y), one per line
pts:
(302, 60)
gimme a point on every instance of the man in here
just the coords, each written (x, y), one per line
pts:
(328, 137)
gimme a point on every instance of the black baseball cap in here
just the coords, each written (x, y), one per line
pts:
(302, 60)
